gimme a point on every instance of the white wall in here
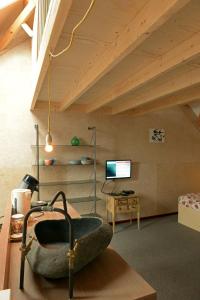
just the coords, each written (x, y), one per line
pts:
(162, 171)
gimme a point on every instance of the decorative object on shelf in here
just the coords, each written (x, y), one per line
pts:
(86, 160)
(74, 162)
(75, 141)
(156, 135)
(49, 162)
(41, 162)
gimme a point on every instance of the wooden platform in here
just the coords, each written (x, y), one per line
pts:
(107, 278)
(189, 217)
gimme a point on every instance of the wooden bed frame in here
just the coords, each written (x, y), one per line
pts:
(107, 277)
(189, 217)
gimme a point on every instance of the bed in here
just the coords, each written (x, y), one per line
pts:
(189, 210)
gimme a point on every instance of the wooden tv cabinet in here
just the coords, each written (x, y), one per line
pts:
(108, 277)
(123, 204)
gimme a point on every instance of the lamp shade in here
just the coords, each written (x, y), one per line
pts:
(48, 144)
(29, 182)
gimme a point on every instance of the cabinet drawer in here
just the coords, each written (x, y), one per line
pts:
(124, 209)
(133, 202)
(126, 205)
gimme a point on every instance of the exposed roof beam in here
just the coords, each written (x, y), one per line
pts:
(50, 38)
(27, 29)
(41, 104)
(180, 54)
(15, 27)
(187, 110)
(25, 2)
(180, 98)
(174, 85)
(55, 106)
(149, 19)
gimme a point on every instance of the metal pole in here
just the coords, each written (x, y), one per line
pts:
(95, 166)
(95, 171)
(37, 159)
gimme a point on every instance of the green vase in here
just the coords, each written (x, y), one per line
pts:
(75, 141)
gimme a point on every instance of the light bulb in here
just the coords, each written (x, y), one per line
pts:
(48, 148)
(48, 144)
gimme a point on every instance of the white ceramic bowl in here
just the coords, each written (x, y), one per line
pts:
(87, 161)
(49, 162)
(74, 162)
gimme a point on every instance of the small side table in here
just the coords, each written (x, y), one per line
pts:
(123, 204)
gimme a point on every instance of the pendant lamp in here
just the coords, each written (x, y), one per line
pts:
(48, 140)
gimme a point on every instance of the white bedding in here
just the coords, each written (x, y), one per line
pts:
(190, 200)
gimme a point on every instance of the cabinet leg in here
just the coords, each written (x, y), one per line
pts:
(131, 217)
(113, 222)
(107, 215)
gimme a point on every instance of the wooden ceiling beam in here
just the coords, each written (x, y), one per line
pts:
(191, 116)
(82, 108)
(27, 29)
(25, 2)
(43, 105)
(176, 84)
(50, 38)
(55, 106)
(149, 19)
(15, 27)
(182, 53)
(180, 98)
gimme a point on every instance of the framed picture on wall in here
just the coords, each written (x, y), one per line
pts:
(156, 135)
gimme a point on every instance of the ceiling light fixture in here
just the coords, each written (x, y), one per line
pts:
(73, 31)
(48, 141)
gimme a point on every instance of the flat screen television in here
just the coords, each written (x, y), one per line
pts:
(118, 169)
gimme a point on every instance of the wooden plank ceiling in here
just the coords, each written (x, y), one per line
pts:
(12, 16)
(129, 56)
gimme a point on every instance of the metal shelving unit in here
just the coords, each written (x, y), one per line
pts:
(84, 199)
(93, 181)
(64, 145)
(67, 164)
(66, 182)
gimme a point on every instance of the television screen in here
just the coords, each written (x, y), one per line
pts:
(118, 169)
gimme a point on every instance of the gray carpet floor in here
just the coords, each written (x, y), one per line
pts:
(165, 253)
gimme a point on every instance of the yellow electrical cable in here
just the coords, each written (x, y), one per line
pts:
(49, 96)
(73, 31)
(51, 55)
